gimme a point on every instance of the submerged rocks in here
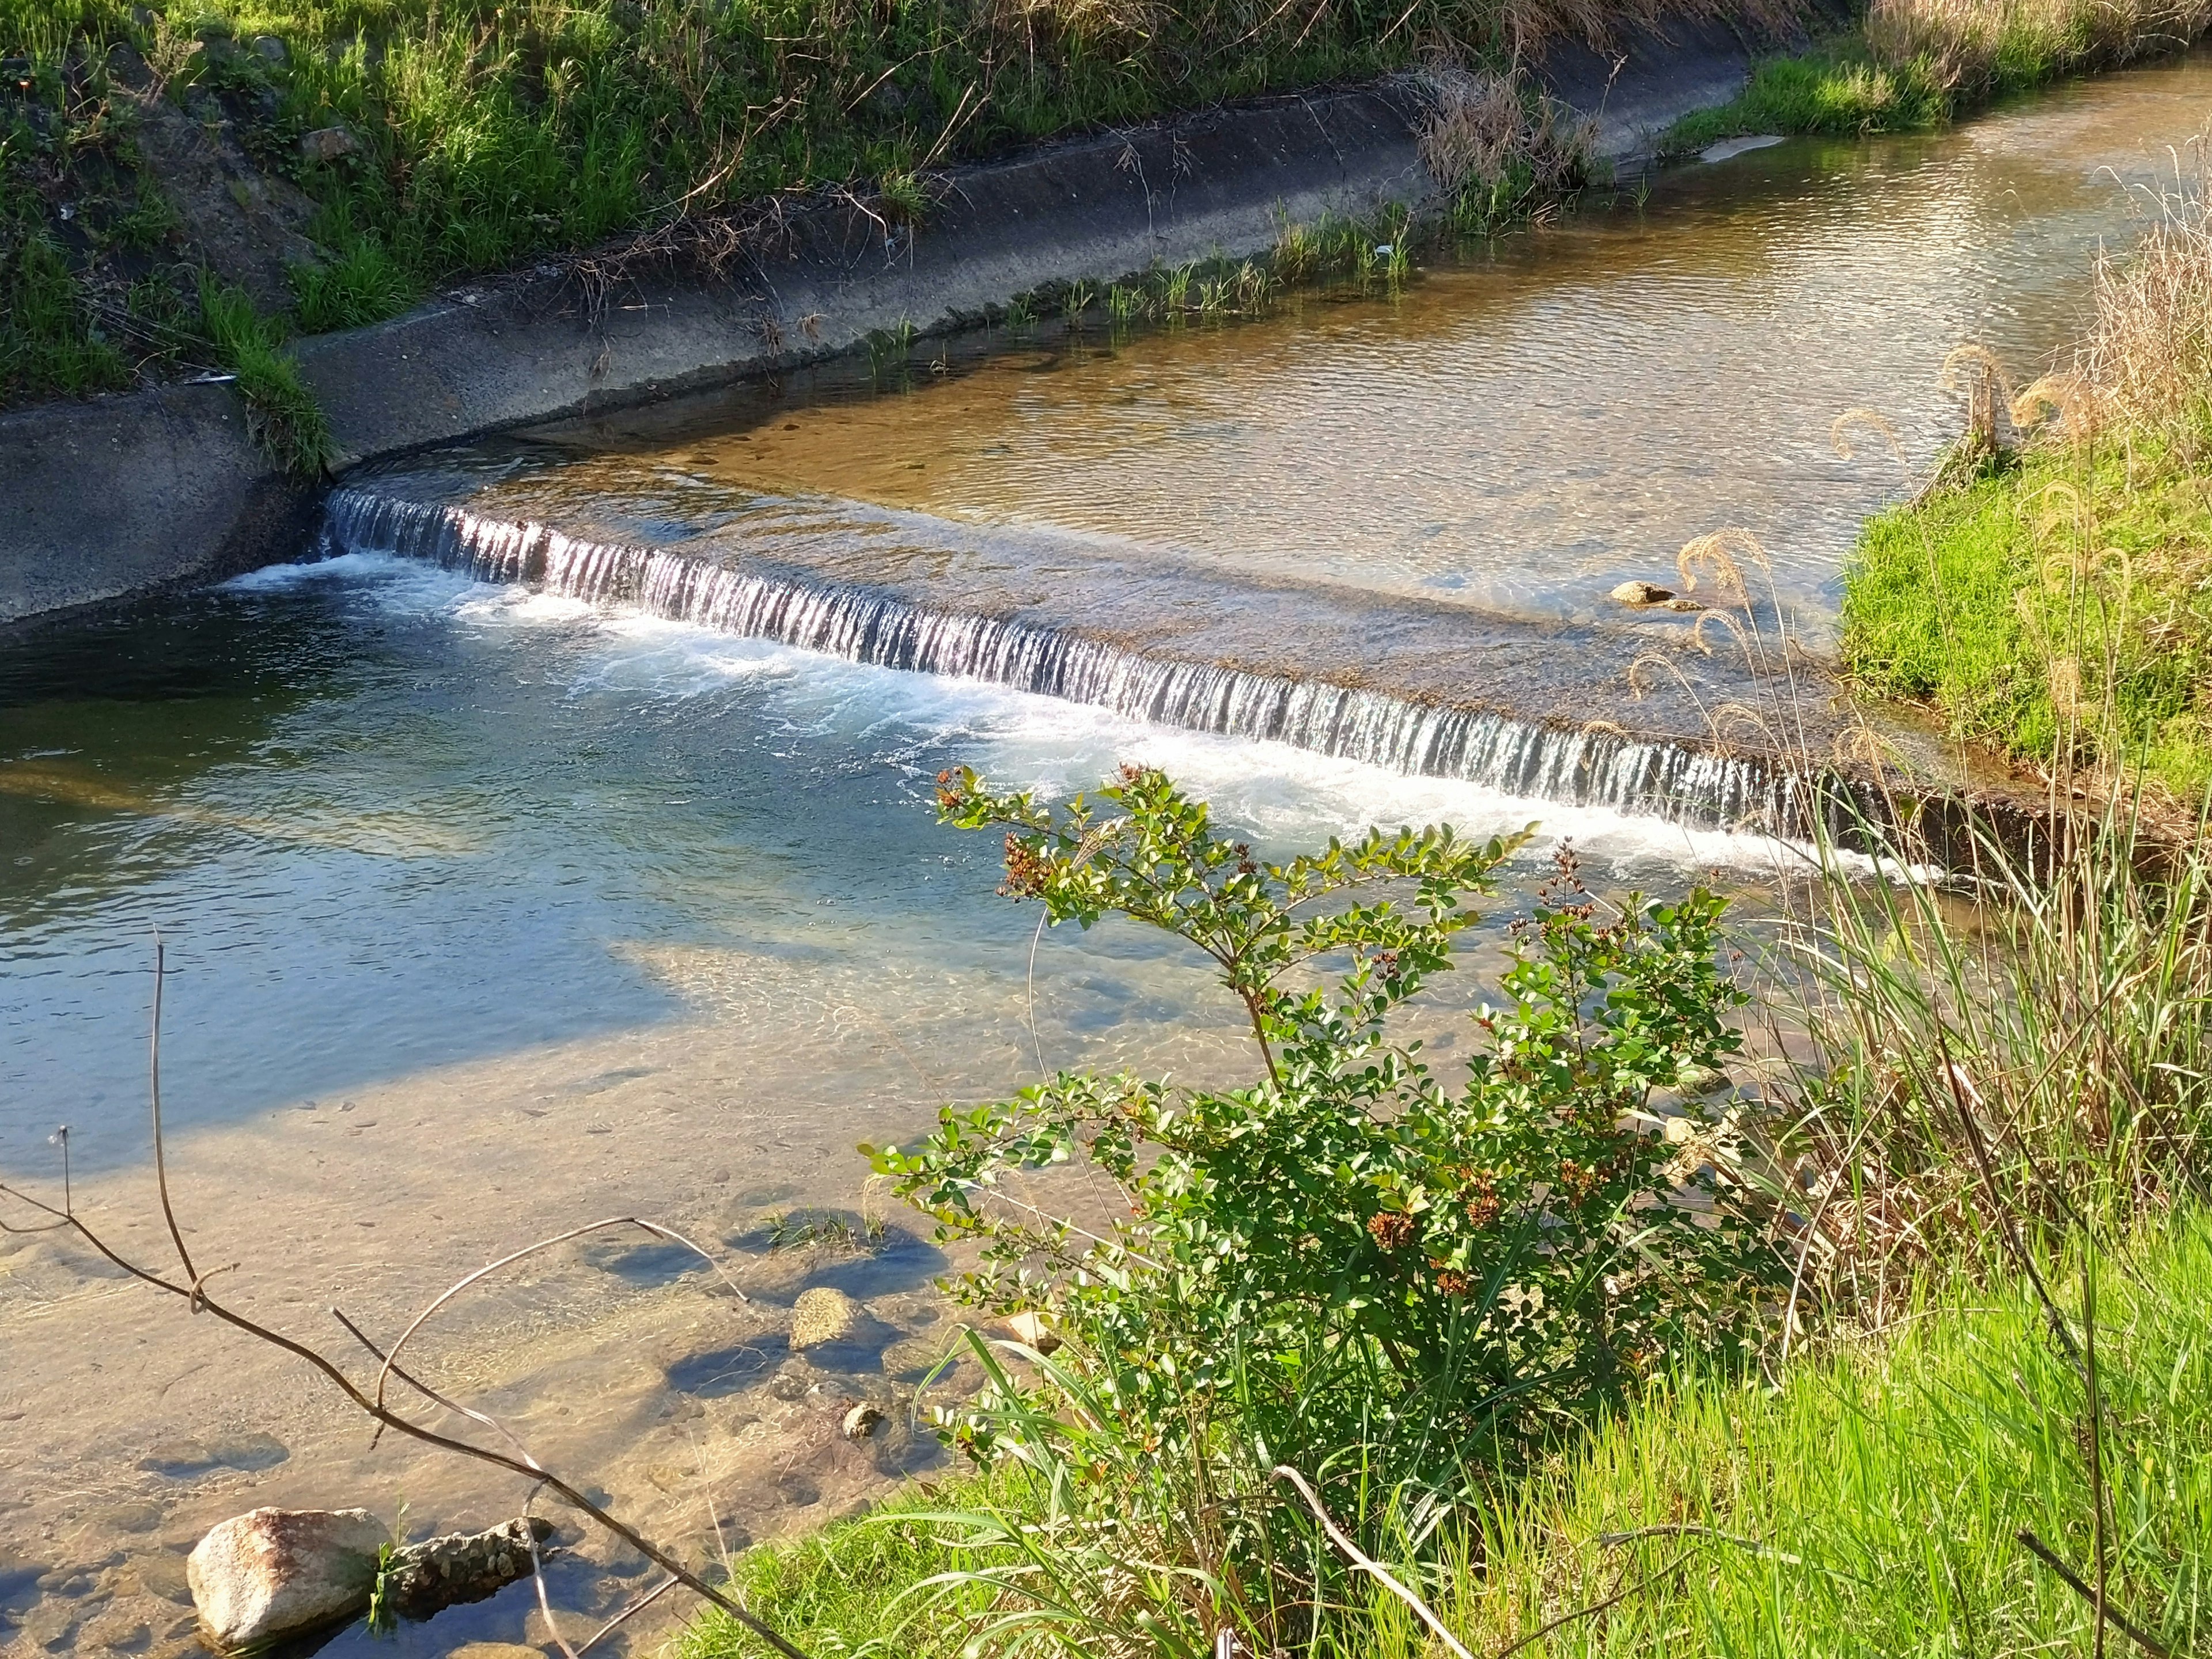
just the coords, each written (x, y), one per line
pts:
(462, 1566)
(823, 1316)
(270, 1572)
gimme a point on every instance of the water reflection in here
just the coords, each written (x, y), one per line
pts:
(1523, 430)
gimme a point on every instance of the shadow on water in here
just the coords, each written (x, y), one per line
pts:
(723, 1371)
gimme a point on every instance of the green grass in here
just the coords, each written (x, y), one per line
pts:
(1838, 89)
(281, 412)
(1877, 1494)
(1868, 1504)
(1914, 64)
(2054, 607)
(488, 135)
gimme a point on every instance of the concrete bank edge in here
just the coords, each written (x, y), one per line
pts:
(121, 497)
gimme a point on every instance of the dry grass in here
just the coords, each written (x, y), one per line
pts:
(1481, 127)
(1976, 47)
(2147, 363)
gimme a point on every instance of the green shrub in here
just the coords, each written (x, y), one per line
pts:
(1367, 1249)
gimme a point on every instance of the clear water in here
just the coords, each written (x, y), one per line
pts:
(1521, 432)
(387, 819)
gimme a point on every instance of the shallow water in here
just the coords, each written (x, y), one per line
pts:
(1523, 430)
(387, 819)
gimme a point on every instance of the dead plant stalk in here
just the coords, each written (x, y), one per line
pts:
(519, 1460)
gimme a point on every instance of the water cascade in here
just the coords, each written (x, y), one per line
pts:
(1682, 781)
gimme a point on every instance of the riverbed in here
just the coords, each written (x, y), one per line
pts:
(491, 909)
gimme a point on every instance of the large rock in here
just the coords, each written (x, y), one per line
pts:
(270, 1572)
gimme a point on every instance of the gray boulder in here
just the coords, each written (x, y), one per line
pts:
(271, 1572)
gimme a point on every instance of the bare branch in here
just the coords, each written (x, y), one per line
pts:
(1367, 1563)
(486, 1270)
(194, 1294)
(2050, 1558)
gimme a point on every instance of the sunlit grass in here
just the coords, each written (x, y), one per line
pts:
(1869, 1503)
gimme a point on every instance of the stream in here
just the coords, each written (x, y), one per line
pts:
(514, 863)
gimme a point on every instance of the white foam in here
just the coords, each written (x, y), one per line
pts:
(340, 567)
(1282, 794)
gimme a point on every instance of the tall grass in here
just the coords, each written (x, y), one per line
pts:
(1912, 65)
(1976, 49)
(2053, 598)
(1871, 1502)
(1868, 1502)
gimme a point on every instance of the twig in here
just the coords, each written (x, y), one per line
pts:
(1035, 1042)
(490, 1268)
(2096, 1445)
(2049, 1557)
(1615, 1540)
(1367, 1563)
(154, 1089)
(520, 1462)
(2005, 1230)
(1593, 1609)
(537, 1581)
(636, 1607)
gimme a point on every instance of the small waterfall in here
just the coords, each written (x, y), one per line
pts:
(1681, 782)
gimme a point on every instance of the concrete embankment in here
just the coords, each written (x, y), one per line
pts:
(124, 496)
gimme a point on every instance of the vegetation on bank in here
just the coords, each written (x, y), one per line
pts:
(1624, 1333)
(1913, 65)
(2051, 593)
(1870, 1503)
(410, 143)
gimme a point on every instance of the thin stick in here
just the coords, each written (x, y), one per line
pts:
(2049, 1557)
(154, 1088)
(1595, 1607)
(634, 1609)
(484, 1272)
(1367, 1563)
(2096, 1443)
(2005, 1230)
(1037, 1041)
(194, 1294)
(538, 1581)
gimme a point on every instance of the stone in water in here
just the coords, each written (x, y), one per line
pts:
(1642, 593)
(270, 1572)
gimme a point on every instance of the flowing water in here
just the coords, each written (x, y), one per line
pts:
(563, 848)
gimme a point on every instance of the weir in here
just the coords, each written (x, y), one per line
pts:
(1706, 784)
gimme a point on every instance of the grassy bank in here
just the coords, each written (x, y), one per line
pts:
(2048, 594)
(409, 142)
(1913, 65)
(1871, 1503)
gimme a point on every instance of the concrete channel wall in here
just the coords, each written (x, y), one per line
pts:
(124, 496)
